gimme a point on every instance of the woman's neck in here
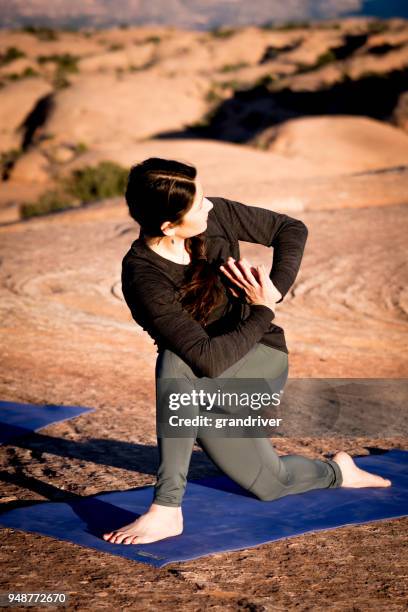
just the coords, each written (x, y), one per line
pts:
(170, 247)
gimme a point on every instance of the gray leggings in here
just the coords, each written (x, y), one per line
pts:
(251, 462)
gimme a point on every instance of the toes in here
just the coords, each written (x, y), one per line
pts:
(114, 537)
(119, 538)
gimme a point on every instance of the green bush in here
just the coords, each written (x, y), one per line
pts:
(377, 26)
(330, 25)
(59, 80)
(212, 96)
(7, 161)
(151, 62)
(292, 25)
(152, 39)
(265, 80)
(116, 47)
(49, 201)
(41, 32)
(81, 147)
(287, 25)
(232, 67)
(27, 73)
(11, 54)
(232, 84)
(325, 58)
(222, 32)
(87, 184)
(105, 180)
(64, 61)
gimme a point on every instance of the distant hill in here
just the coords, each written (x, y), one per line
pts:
(194, 14)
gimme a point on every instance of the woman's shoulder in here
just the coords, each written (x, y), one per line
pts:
(218, 217)
(218, 206)
(139, 260)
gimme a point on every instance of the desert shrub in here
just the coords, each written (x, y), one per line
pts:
(265, 80)
(49, 201)
(212, 96)
(116, 47)
(233, 84)
(64, 61)
(222, 32)
(377, 26)
(325, 58)
(153, 39)
(60, 80)
(149, 39)
(84, 185)
(7, 161)
(105, 180)
(329, 25)
(81, 147)
(42, 33)
(148, 64)
(292, 25)
(232, 67)
(11, 54)
(287, 25)
(27, 73)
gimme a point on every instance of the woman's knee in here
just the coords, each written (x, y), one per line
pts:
(266, 494)
(267, 487)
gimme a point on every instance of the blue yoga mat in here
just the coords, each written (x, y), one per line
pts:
(19, 419)
(219, 515)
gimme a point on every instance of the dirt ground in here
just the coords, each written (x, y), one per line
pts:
(67, 338)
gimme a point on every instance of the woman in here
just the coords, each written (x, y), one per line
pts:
(210, 314)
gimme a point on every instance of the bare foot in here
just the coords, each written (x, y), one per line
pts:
(157, 523)
(354, 477)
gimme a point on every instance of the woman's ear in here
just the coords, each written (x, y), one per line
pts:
(167, 228)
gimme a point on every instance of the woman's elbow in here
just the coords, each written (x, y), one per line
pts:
(303, 228)
(303, 232)
(207, 370)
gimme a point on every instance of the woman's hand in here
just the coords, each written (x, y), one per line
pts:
(254, 281)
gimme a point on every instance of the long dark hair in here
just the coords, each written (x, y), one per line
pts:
(161, 190)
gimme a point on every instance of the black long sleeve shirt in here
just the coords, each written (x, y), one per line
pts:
(150, 283)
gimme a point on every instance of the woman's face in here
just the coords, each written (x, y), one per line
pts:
(195, 220)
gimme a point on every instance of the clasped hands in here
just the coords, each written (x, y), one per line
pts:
(253, 281)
